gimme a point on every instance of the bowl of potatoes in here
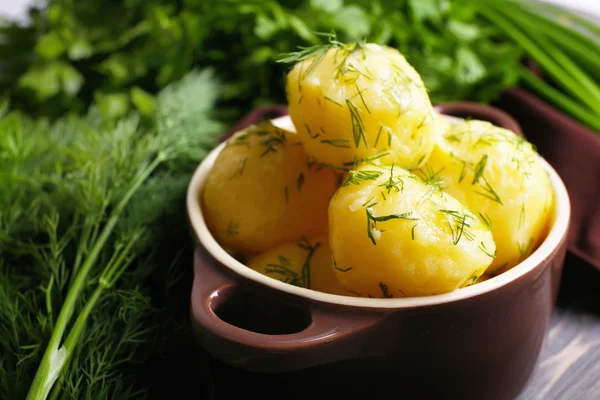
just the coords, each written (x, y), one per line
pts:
(371, 240)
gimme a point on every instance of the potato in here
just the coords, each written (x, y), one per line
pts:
(359, 102)
(497, 174)
(305, 263)
(263, 191)
(418, 239)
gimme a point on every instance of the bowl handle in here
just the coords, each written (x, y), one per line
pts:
(332, 335)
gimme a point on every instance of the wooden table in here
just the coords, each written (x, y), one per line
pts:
(569, 367)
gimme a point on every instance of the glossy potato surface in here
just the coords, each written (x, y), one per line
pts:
(262, 191)
(394, 234)
(498, 175)
(358, 102)
(305, 263)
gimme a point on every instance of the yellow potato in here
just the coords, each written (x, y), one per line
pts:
(263, 191)
(497, 175)
(360, 102)
(305, 263)
(393, 234)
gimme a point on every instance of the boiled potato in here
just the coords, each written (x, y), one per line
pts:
(263, 191)
(305, 263)
(360, 102)
(394, 234)
(497, 174)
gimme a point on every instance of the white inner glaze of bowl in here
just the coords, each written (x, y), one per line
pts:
(559, 227)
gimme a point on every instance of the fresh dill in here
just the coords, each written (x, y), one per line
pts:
(384, 291)
(488, 191)
(284, 271)
(310, 132)
(376, 156)
(479, 167)
(357, 177)
(472, 279)
(329, 99)
(412, 231)
(240, 170)
(372, 220)
(486, 219)
(358, 127)
(392, 183)
(485, 251)
(378, 135)
(359, 93)
(459, 224)
(232, 229)
(300, 182)
(522, 216)
(335, 266)
(341, 143)
(310, 248)
(524, 249)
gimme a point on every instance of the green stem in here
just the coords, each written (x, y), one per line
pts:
(554, 53)
(580, 47)
(561, 76)
(55, 356)
(575, 109)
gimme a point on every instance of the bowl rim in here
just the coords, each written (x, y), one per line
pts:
(545, 250)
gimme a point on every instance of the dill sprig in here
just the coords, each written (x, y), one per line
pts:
(357, 177)
(358, 126)
(397, 184)
(459, 224)
(372, 220)
(81, 232)
(384, 291)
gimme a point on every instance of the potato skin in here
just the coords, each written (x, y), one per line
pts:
(262, 191)
(497, 174)
(361, 101)
(393, 234)
(305, 263)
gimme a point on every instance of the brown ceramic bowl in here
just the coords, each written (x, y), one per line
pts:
(479, 342)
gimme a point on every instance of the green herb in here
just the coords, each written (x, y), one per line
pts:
(396, 184)
(472, 279)
(358, 127)
(362, 99)
(486, 219)
(412, 231)
(329, 99)
(84, 204)
(310, 132)
(524, 249)
(486, 251)
(357, 177)
(384, 291)
(479, 168)
(300, 182)
(310, 248)
(341, 143)
(376, 156)
(378, 134)
(459, 224)
(232, 229)
(240, 170)
(372, 220)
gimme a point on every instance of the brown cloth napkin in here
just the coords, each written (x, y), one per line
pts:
(572, 149)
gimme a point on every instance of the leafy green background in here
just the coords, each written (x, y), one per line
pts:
(120, 53)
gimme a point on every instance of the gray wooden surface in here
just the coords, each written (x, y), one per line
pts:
(569, 367)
